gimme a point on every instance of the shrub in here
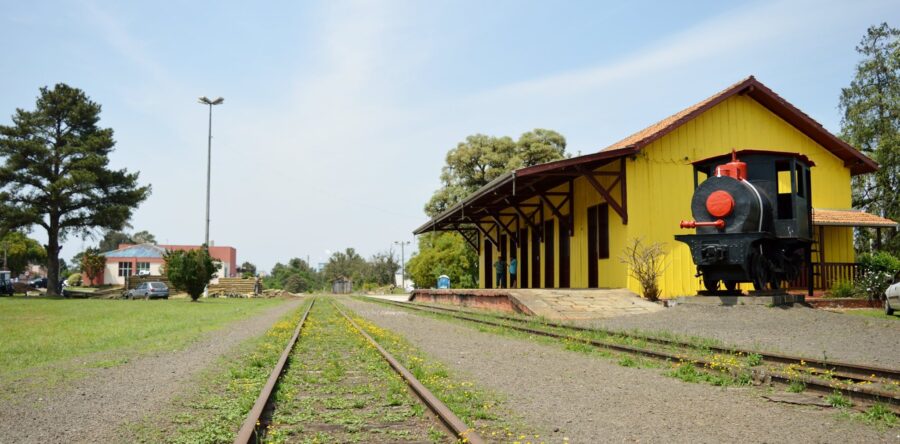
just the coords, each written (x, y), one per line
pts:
(92, 264)
(646, 263)
(842, 289)
(74, 279)
(190, 270)
(876, 272)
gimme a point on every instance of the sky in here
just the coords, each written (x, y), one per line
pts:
(338, 114)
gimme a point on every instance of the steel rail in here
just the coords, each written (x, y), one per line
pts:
(249, 429)
(843, 370)
(453, 423)
(814, 383)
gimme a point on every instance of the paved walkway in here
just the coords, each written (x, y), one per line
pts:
(578, 304)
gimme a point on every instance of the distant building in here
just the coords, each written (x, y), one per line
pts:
(342, 285)
(131, 259)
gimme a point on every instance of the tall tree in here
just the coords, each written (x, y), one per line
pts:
(871, 122)
(480, 159)
(380, 270)
(112, 239)
(143, 237)
(20, 250)
(347, 263)
(56, 172)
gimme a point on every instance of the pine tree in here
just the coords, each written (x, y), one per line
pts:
(56, 172)
(871, 122)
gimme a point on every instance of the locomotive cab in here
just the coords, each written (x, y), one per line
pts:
(752, 213)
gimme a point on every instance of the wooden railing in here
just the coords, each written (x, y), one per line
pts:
(827, 274)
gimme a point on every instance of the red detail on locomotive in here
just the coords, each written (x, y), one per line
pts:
(719, 203)
(719, 223)
(734, 169)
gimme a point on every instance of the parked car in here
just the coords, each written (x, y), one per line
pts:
(38, 282)
(149, 290)
(892, 296)
(6, 285)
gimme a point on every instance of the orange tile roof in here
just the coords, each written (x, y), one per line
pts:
(855, 160)
(850, 218)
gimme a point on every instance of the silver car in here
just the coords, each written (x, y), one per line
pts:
(892, 296)
(149, 290)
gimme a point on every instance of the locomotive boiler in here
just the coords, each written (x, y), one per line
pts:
(753, 219)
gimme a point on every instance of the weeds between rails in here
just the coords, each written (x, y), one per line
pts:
(333, 343)
(705, 361)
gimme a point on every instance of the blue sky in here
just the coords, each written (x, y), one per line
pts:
(338, 115)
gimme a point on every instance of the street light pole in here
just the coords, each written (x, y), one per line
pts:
(206, 101)
(402, 262)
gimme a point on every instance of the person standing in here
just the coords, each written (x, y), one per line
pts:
(513, 265)
(500, 268)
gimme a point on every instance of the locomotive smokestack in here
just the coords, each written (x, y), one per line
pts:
(734, 169)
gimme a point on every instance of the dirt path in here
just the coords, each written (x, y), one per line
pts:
(590, 399)
(93, 409)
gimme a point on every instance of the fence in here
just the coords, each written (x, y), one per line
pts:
(825, 275)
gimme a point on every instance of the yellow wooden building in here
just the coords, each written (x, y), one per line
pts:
(566, 222)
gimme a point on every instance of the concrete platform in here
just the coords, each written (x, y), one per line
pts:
(557, 304)
(767, 300)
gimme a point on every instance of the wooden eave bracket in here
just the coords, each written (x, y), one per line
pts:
(620, 206)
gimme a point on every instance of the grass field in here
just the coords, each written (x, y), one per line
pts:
(877, 313)
(48, 340)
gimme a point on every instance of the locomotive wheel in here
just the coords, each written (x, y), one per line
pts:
(759, 271)
(731, 285)
(710, 284)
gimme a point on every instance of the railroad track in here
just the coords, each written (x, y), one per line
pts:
(257, 420)
(856, 381)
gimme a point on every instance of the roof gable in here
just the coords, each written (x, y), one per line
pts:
(857, 162)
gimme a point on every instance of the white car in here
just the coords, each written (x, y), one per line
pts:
(892, 296)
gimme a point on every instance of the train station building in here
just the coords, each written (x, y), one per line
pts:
(567, 222)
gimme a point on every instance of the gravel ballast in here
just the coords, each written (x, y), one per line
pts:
(95, 408)
(591, 399)
(795, 330)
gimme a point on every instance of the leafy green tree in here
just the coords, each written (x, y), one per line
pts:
(92, 265)
(347, 263)
(248, 269)
(21, 251)
(380, 270)
(112, 239)
(539, 146)
(56, 172)
(143, 237)
(444, 253)
(871, 122)
(480, 159)
(190, 270)
(297, 277)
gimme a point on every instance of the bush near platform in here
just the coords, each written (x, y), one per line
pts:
(842, 289)
(877, 270)
(74, 280)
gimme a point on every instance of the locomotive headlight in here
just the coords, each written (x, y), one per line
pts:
(719, 203)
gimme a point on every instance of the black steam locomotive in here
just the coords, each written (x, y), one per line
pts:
(753, 218)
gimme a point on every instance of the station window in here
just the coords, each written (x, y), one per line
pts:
(143, 266)
(124, 268)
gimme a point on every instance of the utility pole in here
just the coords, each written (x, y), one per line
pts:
(402, 262)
